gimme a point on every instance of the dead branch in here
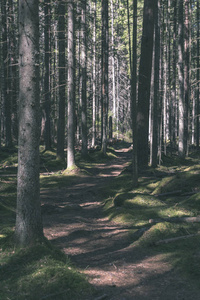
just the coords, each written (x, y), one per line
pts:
(171, 240)
(176, 220)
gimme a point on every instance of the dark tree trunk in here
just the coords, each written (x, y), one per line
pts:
(198, 78)
(134, 95)
(47, 94)
(84, 80)
(61, 64)
(6, 69)
(145, 82)
(28, 217)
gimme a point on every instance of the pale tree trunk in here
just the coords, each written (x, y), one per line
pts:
(94, 80)
(28, 216)
(113, 63)
(61, 64)
(186, 77)
(71, 87)
(144, 82)
(154, 146)
(198, 78)
(181, 144)
(104, 90)
(84, 80)
(134, 95)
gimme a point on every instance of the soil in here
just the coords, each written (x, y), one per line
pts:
(103, 250)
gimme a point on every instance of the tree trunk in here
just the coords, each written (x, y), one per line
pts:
(154, 146)
(94, 80)
(28, 216)
(84, 80)
(181, 143)
(198, 78)
(47, 95)
(134, 95)
(144, 82)
(104, 87)
(61, 65)
(6, 68)
(71, 87)
(186, 77)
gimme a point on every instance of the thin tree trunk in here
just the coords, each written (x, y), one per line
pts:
(6, 90)
(144, 82)
(71, 87)
(84, 80)
(94, 80)
(154, 151)
(181, 142)
(28, 228)
(198, 78)
(134, 95)
(104, 91)
(61, 64)
(47, 95)
(186, 77)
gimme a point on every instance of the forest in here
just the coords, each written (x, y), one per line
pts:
(99, 149)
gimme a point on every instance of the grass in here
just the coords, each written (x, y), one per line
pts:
(39, 272)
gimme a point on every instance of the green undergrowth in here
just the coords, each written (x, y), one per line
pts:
(154, 211)
(39, 272)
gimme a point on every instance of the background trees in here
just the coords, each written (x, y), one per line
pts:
(102, 71)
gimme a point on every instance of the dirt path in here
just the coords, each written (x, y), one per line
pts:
(102, 249)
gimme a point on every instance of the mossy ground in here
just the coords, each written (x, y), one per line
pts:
(42, 271)
(153, 199)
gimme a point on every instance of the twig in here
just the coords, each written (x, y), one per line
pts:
(166, 241)
(176, 220)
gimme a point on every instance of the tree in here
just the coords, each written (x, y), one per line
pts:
(6, 74)
(154, 145)
(181, 144)
(61, 63)
(134, 95)
(198, 77)
(104, 78)
(28, 216)
(71, 87)
(83, 80)
(47, 94)
(145, 82)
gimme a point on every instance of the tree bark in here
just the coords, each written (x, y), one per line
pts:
(28, 216)
(62, 78)
(181, 143)
(84, 80)
(104, 83)
(134, 95)
(71, 87)
(47, 95)
(198, 78)
(145, 82)
(6, 68)
(154, 146)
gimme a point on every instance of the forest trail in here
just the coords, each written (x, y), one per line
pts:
(102, 249)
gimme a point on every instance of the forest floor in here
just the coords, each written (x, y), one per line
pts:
(103, 249)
